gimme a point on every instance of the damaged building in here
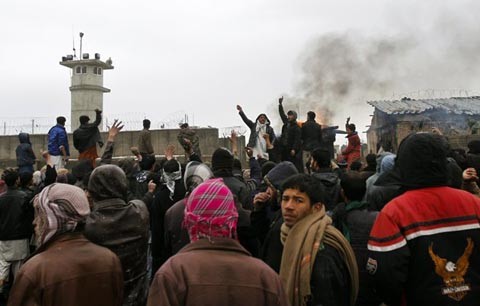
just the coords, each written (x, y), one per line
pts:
(458, 118)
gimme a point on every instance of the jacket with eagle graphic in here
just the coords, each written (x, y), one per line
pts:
(424, 248)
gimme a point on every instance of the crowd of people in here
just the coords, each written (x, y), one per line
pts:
(297, 226)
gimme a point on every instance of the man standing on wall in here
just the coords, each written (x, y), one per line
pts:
(87, 135)
(145, 146)
(311, 136)
(291, 137)
(58, 144)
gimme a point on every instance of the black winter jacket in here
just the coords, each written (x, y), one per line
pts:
(16, 215)
(239, 189)
(291, 132)
(24, 151)
(161, 203)
(355, 222)
(87, 135)
(311, 135)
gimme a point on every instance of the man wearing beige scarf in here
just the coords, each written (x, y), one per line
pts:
(318, 264)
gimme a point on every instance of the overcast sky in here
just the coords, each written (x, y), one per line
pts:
(199, 57)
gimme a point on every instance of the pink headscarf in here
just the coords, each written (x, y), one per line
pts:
(210, 211)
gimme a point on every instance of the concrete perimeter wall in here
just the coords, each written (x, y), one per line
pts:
(160, 139)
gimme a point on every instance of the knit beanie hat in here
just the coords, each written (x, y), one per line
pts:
(210, 211)
(60, 207)
(280, 173)
(388, 162)
(267, 166)
(222, 158)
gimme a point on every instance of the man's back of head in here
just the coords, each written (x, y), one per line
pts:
(146, 124)
(222, 159)
(422, 161)
(10, 176)
(354, 186)
(311, 115)
(322, 158)
(61, 120)
(147, 162)
(84, 119)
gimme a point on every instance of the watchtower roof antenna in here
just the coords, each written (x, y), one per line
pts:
(81, 38)
(73, 40)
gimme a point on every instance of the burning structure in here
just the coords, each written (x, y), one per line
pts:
(392, 121)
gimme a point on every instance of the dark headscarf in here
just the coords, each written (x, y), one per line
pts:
(108, 182)
(421, 162)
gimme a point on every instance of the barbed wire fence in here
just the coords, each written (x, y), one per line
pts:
(131, 122)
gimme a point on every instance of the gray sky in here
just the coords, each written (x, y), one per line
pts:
(203, 57)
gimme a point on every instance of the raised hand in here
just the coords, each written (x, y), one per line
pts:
(239, 108)
(470, 174)
(114, 130)
(280, 100)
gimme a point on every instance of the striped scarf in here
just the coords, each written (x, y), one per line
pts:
(59, 208)
(305, 239)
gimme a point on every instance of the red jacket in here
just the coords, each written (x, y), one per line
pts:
(352, 152)
(424, 248)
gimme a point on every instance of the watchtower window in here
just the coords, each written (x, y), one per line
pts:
(84, 69)
(97, 70)
(78, 69)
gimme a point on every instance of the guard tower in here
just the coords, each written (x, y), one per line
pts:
(87, 85)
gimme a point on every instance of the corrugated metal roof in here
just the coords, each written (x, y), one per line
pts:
(461, 105)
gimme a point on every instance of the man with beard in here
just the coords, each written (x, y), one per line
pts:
(262, 136)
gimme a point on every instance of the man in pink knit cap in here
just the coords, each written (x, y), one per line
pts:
(214, 269)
